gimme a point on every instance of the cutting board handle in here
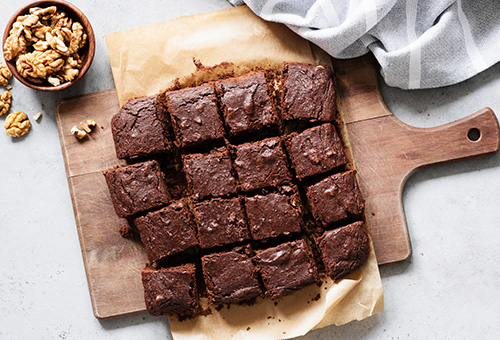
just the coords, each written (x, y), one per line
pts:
(388, 151)
(474, 135)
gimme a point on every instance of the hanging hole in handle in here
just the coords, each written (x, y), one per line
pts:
(474, 134)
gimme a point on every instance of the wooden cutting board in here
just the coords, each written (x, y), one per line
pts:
(385, 152)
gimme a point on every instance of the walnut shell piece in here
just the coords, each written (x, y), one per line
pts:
(17, 124)
(5, 101)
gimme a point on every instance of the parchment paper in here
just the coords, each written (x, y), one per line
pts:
(149, 59)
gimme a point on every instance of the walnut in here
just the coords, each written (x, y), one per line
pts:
(44, 13)
(39, 64)
(56, 42)
(15, 43)
(77, 132)
(78, 39)
(5, 101)
(41, 46)
(70, 69)
(17, 124)
(38, 116)
(5, 74)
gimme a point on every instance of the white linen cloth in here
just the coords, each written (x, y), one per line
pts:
(418, 43)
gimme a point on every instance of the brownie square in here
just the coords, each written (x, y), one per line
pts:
(136, 188)
(307, 92)
(194, 115)
(345, 249)
(209, 175)
(220, 222)
(245, 103)
(171, 290)
(167, 231)
(336, 197)
(315, 150)
(230, 277)
(140, 128)
(274, 214)
(261, 164)
(286, 268)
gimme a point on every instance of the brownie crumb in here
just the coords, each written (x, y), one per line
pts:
(317, 297)
(126, 231)
(248, 328)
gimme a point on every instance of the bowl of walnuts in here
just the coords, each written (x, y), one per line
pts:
(48, 45)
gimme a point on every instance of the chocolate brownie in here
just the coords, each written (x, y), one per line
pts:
(167, 231)
(171, 290)
(194, 115)
(245, 103)
(230, 277)
(220, 222)
(336, 197)
(345, 249)
(261, 164)
(286, 268)
(209, 175)
(315, 150)
(140, 128)
(136, 188)
(274, 214)
(307, 92)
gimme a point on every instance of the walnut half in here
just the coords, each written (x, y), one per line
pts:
(5, 101)
(17, 124)
(5, 74)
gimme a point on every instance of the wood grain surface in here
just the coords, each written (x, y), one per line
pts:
(385, 152)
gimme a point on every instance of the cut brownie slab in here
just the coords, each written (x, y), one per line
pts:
(245, 103)
(167, 231)
(140, 128)
(136, 188)
(230, 277)
(315, 150)
(209, 175)
(171, 290)
(286, 268)
(336, 197)
(261, 164)
(307, 92)
(274, 214)
(220, 222)
(194, 115)
(344, 249)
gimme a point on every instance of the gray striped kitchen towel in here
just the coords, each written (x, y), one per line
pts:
(418, 43)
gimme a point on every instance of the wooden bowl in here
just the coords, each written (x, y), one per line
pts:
(86, 53)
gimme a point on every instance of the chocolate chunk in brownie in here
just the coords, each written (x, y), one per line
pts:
(245, 103)
(345, 249)
(307, 92)
(274, 214)
(315, 150)
(167, 231)
(171, 290)
(194, 115)
(140, 128)
(220, 222)
(261, 164)
(209, 175)
(136, 188)
(336, 197)
(230, 277)
(286, 268)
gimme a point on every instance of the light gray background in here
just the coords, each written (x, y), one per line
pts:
(447, 290)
